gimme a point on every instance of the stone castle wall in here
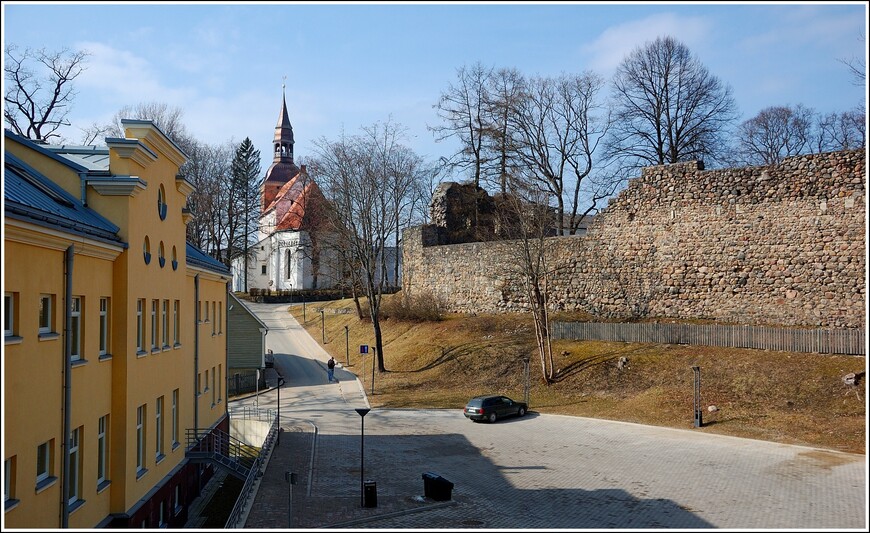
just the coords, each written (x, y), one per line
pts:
(777, 245)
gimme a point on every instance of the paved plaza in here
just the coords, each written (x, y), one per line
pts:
(539, 471)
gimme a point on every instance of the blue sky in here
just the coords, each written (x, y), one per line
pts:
(351, 65)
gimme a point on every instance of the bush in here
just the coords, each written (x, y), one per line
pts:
(420, 307)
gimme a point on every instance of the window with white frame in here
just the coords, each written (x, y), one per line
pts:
(8, 314)
(140, 438)
(220, 383)
(76, 328)
(175, 417)
(46, 314)
(214, 319)
(220, 317)
(165, 323)
(9, 479)
(212, 385)
(75, 466)
(104, 326)
(43, 461)
(102, 449)
(154, 305)
(158, 428)
(206, 380)
(161, 516)
(176, 321)
(140, 325)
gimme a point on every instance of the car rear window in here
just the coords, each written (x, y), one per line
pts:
(475, 402)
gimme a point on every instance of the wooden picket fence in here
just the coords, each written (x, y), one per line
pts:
(819, 340)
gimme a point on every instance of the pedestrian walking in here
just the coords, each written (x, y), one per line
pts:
(330, 370)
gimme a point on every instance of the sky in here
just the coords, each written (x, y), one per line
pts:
(351, 65)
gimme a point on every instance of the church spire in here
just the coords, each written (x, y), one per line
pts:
(283, 142)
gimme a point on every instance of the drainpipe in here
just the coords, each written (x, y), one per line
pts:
(83, 178)
(67, 384)
(196, 355)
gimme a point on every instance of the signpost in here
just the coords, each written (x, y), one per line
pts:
(363, 350)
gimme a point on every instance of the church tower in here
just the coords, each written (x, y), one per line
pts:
(282, 168)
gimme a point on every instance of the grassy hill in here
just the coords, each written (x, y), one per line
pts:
(792, 398)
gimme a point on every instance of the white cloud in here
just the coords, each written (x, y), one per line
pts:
(616, 42)
(121, 78)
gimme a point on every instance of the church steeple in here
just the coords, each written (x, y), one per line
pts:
(282, 169)
(283, 142)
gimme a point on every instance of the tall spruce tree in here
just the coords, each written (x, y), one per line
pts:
(246, 185)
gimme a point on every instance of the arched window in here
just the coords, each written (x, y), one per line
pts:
(146, 250)
(161, 258)
(174, 259)
(161, 202)
(289, 265)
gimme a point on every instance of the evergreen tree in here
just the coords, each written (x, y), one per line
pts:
(245, 176)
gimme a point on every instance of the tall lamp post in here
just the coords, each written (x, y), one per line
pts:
(322, 329)
(362, 447)
(346, 346)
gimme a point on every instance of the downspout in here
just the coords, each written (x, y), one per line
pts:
(67, 385)
(196, 355)
(83, 178)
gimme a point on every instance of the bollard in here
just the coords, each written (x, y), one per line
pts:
(698, 416)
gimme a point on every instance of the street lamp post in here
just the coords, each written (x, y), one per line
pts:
(322, 329)
(362, 447)
(346, 346)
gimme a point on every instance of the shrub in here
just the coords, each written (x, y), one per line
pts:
(419, 307)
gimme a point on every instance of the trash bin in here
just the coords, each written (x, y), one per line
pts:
(370, 493)
(436, 487)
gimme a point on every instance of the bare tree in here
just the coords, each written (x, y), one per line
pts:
(841, 131)
(463, 111)
(36, 105)
(773, 134)
(361, 176)
(668, 107)
(857, 65)
(528, 218)
(504, 94)
(170, 120)
(557, 125)
(208, 169)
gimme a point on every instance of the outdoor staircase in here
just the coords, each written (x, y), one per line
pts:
(222, 450)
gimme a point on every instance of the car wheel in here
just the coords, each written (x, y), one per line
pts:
(521, 412)
(491, 417)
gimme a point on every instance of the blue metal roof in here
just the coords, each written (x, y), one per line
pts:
(44, 150)
(32, 197)
(94, 158)
(196, 257)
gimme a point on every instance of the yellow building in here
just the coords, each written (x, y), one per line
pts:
(114, 335)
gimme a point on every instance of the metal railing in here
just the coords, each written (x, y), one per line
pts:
(247, 492)
(818, 340)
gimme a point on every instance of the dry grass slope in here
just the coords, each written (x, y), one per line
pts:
(792, 398)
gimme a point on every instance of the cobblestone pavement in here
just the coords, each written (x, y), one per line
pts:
(539, 471)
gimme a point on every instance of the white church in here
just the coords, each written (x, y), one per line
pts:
(290, 225)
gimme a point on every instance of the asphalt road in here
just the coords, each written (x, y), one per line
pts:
(539, 471)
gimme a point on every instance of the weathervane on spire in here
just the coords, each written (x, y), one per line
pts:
(284, 84)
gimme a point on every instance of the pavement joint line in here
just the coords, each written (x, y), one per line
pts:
(386, 516)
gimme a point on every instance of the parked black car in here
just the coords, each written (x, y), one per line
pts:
(493, 407)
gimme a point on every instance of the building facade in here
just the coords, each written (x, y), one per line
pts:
(114, 335)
